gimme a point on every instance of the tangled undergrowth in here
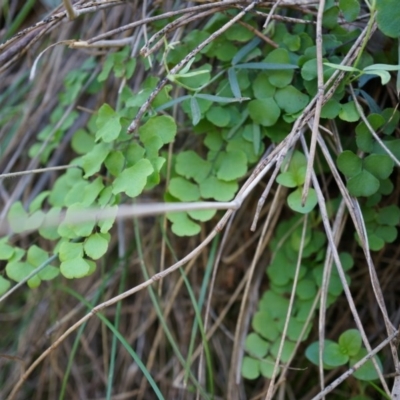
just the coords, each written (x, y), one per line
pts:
(199, 199)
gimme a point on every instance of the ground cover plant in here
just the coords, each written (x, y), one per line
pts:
(199, 199)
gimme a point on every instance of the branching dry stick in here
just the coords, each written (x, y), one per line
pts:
(318, 106)
(135, 123)
(72, 14)
(221, 4)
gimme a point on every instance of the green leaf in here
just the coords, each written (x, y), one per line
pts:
(70, 250)
(182, 225)
(350, 9)
(384, 75)
(333, 355)
(195, 108)
(190, 165)
(256, 346)
(264, 112)
(287, 351)
(115, 162)
(92, 161)
(330, 18)
(76, 228)
(331, 109)
(38, 201)
(133, 180)
(50, 232)
(202, 215)
(386, 233)
(162, 126)
(280, 78)
(291, 100)
(267, 366)
(6, 251)
(18, 271)
(17, 217)
(346, 68)
(367, 372)
(306, 289)
(388, 17)
(36, 256)
(134, 153)
(108, 124)
(312, 351)
(389, 215)
(363, 184)
(106, 224)
(91, 191)
(75, 268)
(233, 82)
(379, 165)
(262, 88)
(250, 368)
(264, 325)
(233, 165)
(48, 273)
(350, 342)
(294, 201)
(349, 163)
(219, 116)
(287, 179)
(214, 188)
(349, 112)
(4, 285)
(183, 190)
(96, 245)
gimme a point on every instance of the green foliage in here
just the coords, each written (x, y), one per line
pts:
(293, 175)
(348, 350)
(269, 319)
(388, 17)
(238, 96)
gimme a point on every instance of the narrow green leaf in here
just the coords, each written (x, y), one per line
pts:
(233, 82)
(267, 66)
(196, 113)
